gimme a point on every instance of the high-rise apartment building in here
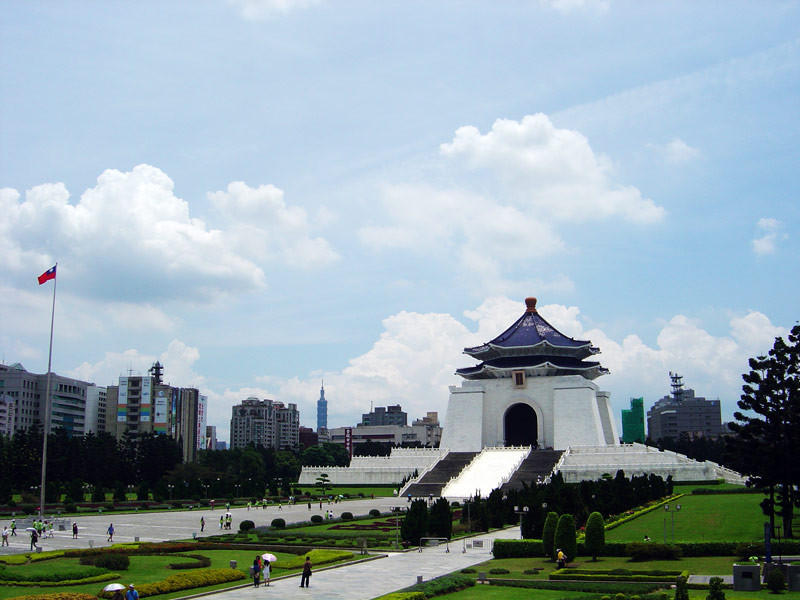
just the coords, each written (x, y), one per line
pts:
(95, 409)
(265, 423)
(28, 393)
(633, 422)
(144, 404)
(390, 415)
(683, 412)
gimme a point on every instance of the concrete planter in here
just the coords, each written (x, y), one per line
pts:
(793, 577)
(746, 578)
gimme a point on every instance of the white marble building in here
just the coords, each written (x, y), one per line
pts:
(533, 388)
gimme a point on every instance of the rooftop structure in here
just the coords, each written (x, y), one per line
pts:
(534, 346)
(533, 387)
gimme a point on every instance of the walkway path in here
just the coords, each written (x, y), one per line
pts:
(374, 578)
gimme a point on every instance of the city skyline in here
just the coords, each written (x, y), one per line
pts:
(264, 194)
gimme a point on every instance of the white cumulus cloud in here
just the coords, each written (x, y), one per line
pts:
(131, 238)
(553, 171)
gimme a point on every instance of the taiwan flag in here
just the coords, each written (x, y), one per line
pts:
(47, 275)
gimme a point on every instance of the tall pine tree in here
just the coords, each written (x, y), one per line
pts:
(766, 444)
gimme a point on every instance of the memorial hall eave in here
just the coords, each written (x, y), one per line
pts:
(533, 366)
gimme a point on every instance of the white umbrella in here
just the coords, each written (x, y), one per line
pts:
(31, 529)
(113, 587)
(270, 557)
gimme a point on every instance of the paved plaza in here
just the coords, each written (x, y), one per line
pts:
(181, 524)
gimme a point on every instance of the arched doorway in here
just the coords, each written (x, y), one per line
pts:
(521, 426)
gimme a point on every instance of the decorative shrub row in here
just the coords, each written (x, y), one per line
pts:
(614, 575)
(533, 548)
(403, 596)
(186, 581)
(199, 562)
(65, 582)
(57, 596)
(739, 490)
(641, 551)
(598, 587)
(113, 562)
(65, 575)
(636, 514)
(445, 584)
(318, 557)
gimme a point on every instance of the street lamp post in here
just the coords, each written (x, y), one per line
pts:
(206, 486)
(170, 487)
(237, 486)
(672, 510)
(521, 511)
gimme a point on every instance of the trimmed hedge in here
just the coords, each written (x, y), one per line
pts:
(65, 582)
(199, 562)
(317, 556)
(614, 575)
(57, 596)
(641, 551)
(598, 587)
(278, 523)
(75, 573)
(113, 562)
(186, 581)
(402, 596)
(446, 584)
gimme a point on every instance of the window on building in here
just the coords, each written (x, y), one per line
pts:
(519, 379)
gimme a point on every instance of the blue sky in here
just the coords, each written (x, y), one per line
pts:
(265, 193)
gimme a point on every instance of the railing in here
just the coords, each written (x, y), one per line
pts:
(445, 451)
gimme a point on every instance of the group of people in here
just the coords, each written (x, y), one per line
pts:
(225, 521)
(131, 594)
(261, 571)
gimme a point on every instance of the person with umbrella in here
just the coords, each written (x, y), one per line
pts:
(267, 559)
(34, 537)
(117, 588)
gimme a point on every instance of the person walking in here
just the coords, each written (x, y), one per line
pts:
(34, 539)
(265, 572)
(561, 558)
(221, 521)
(202, 524)
(13, 527)
(256, 571)
(132, 594)
(118, 595)
(74, 530)
(110, 532)
(5, 536)
(306, 572)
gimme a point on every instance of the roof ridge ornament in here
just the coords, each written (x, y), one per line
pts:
(530, 304)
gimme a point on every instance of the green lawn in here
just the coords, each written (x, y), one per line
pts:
(492, 592)
(706, 565)
(147, 569)
(713, 517)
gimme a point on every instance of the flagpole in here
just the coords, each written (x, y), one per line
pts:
(47, 402)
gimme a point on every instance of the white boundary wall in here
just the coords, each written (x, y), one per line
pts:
(366, 470)
(592, 462)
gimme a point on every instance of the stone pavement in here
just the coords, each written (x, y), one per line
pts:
(374, 578)
(174, 525)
